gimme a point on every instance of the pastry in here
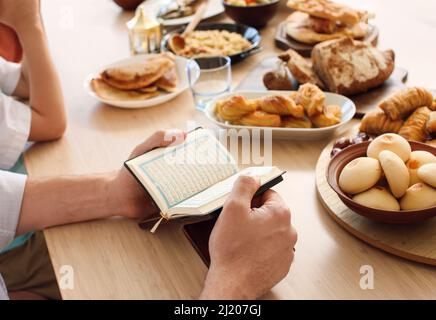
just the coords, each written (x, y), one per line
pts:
(299, 26)
(278, 80)
(431, 123)
(149, 89)
(414, 127)
(377, 123)
(292, 122)
(107, 92)
(169, 81)
(403, 103)
(260, 119)
(234, 108)
(330, 116)
(418, 196)
(392, 142)
(328, 10)
(395, 171)
(427, 173)
(137, 75)
(349, 67)
(377, 198)
(300, 68)
(417, 159)
(359, 175)
(281, 105)
(311, 98)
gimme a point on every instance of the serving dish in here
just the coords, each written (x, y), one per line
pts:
(249, 33)
(255, 16)
(214, 8)
(338, 162)
(347, 107)
(181, 65)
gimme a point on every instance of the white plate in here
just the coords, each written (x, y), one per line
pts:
(347, 106)
(214, 8)
(181, 64)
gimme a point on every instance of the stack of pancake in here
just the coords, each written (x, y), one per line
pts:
(138, 80)
(315, 21)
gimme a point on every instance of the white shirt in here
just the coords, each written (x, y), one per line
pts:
(15, 120)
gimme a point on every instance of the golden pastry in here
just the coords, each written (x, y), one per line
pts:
(260, 119)
(137, 75)
(392, 142)
(234, 108)
(377, 123)
(107, 92)
(330, 116)
(404, 102)
(431, 123)
(311, 98)
(359, 175)
(419, 196)
(414, 127)
(169, 80)
(328, 10)
(378, 198)
(291, 122)
(281, 105)
(395, 171)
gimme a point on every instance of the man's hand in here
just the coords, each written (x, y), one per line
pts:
(135, 203)
(251, 249)
(19, 14)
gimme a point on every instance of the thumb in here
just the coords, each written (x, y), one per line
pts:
(242, 193)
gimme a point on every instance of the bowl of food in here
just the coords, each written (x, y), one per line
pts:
(388, 180)
(217, 39)
(306, 114)
(254, 13)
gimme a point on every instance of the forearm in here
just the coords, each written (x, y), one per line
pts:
(46, 99)
(57, 201)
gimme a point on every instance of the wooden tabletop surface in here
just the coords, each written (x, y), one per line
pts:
(114, 259)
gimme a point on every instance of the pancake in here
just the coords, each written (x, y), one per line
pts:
(107, 92)
(137, 75)
(169, 81)
(299, 28)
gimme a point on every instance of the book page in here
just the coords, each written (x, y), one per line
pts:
(177, 173)
(223, 188)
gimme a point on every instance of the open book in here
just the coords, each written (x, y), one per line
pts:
(195, 177)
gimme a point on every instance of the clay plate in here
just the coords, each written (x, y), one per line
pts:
(338, 162)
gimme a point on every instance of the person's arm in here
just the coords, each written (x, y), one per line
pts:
(22, 89)
(251, 245)
(57, 201)
(46, 99)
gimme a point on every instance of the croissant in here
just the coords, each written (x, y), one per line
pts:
(404, 102)
(234, 108)
(414, 127)
(291, 122)
(330, 116)
(377, 123)
(311, 98)
(281, 105)
(431, 123)
(260, 119)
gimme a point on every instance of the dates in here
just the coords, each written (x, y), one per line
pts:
(344, 142)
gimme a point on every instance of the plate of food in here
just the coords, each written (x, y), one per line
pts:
(217, 39)
(140, 81)
(306, 114)
(314, 21)
(179, 12)
(388, 179)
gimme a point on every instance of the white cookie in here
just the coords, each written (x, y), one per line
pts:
(427, 173)
(389, 141)
(378, 198)
(416, 160)
(419, 196)
(395, 171)
(360, 175)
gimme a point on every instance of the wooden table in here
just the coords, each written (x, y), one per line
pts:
(114, 259)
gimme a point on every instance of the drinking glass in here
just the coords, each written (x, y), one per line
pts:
(209, 77)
